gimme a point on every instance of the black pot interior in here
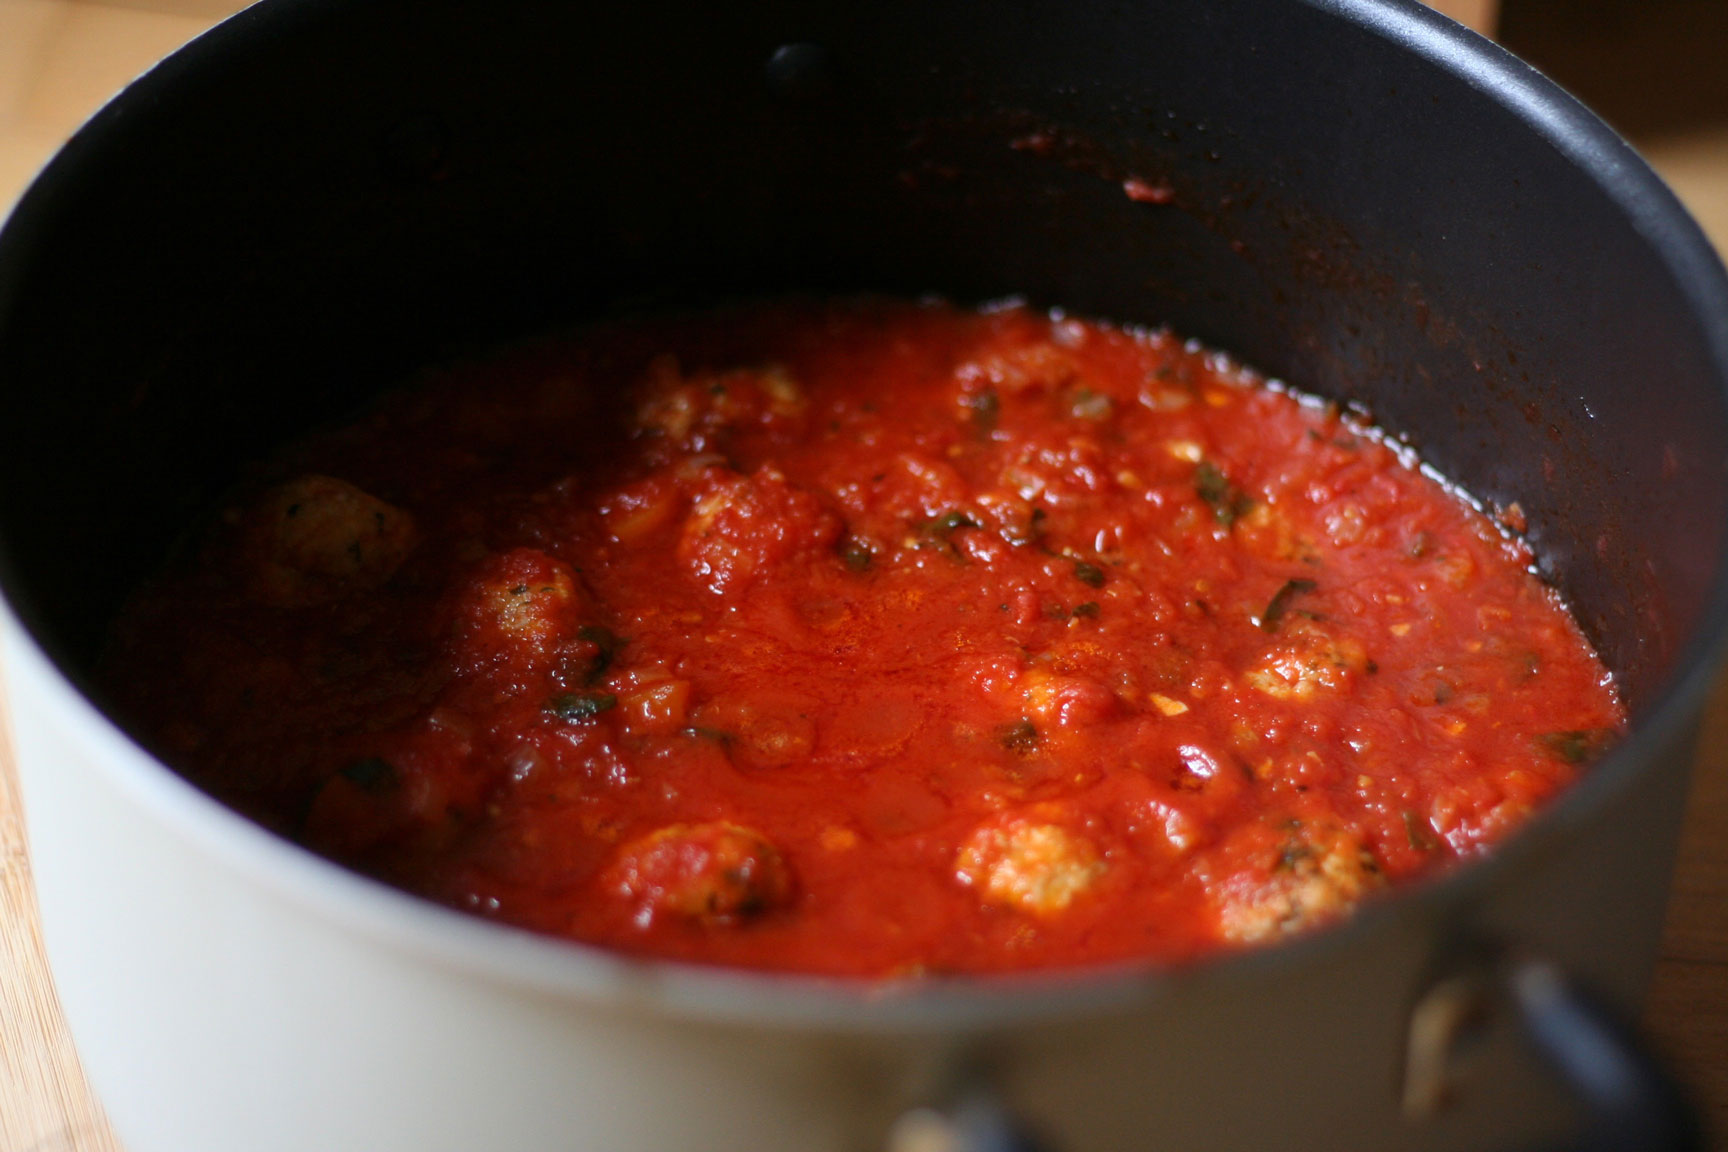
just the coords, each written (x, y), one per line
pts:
(322, 196)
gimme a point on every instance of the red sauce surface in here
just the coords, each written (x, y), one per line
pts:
(867, 638)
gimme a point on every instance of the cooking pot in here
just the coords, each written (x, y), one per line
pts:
(1356, 196)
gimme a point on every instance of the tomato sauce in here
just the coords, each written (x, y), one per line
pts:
(867, 638)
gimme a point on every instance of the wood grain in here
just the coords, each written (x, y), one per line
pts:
(45, 1104)
(1687, 1013)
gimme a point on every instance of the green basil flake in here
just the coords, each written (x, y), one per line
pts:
(1419, 832)
(606, 644)
(581, 705)
(605, 638)
(1293, 854)
(1209, 482)
(938, 532)
(372, 775)
(986, 407)
(713, 735)
(856, 554)
(949, 521)
(1089, 609)
(1280, 603)
(1228, 502)
(1089, 574)
(1020, 736)
(1577, 746)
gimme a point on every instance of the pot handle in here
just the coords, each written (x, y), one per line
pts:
(974, 1119)
(1628, 1101)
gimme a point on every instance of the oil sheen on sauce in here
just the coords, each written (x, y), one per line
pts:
(867, 638)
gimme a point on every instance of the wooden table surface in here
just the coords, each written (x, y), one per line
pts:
(60, 58)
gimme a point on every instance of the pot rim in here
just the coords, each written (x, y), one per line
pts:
(520, 959)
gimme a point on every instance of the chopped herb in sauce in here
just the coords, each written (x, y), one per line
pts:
(581, 705)
(949, 521)
(606, 644)
(1020, 736)
(856, 554)
(1089, 574)
(1578, 746)
(1228, 502)
(713, 735)
(938, 532)
(1292, 855)
(1280, 602)
(986, 407)
(1418, 831)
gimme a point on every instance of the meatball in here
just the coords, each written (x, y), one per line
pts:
(1034, 368)
(1029, 863)
(745, 523)
(317, 538)
(1315, 875)
(713, 873)
(1308, 660)
(692, 409)
(530, 607)
(519, 612)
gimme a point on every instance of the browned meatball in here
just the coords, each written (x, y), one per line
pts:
(1306, 661)
(741, 524)
(317, 538)
(1030, 862)
(1317, 874)
(520, 612)
(714, 873)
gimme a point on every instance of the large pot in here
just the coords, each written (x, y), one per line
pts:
(1362, 199)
